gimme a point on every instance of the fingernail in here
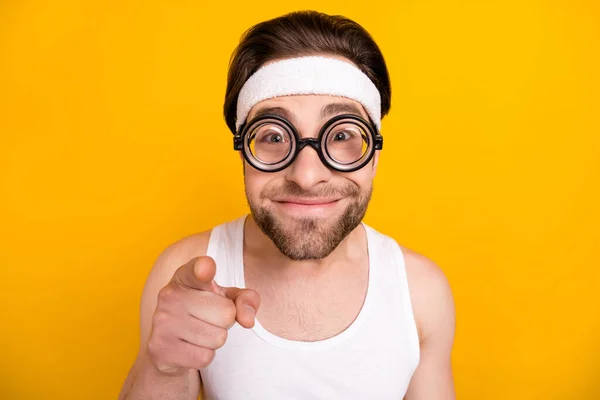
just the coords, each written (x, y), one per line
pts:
(251, 311)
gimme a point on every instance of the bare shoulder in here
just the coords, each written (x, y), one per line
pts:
(430, 292)
(170, 259)
(423, 273)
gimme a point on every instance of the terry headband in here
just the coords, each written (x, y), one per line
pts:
(309, 75)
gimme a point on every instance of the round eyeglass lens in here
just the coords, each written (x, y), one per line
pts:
(270, 142)
(347, 142)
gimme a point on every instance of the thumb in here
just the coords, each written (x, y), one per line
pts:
(247, 302)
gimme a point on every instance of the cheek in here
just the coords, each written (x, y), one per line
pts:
(362, 178)
(251, 181)
(255, 181)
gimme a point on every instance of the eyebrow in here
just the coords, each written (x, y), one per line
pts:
(282, 112)
(328, 110)
(332, 109)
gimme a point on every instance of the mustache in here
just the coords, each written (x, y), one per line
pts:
(348, 189)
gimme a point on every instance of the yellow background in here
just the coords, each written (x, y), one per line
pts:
(113, 145)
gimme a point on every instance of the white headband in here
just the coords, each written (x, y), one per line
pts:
(309, 75)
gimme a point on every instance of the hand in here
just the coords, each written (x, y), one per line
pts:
(193, 315)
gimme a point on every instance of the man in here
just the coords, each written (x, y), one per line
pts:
(299, 300)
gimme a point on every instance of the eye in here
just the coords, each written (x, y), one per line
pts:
(271, 137)
(274, 138)
(341, 136)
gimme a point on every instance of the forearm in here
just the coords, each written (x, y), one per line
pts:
(146, 382)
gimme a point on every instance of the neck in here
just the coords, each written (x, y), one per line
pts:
(271, 261)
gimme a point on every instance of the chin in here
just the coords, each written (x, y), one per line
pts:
(301, 237)
(308, 232)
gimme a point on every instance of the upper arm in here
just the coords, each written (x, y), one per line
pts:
(173, 257)
(433, 308)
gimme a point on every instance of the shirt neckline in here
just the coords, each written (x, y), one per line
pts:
(271, 338)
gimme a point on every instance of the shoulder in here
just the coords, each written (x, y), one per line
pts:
(184, 249)
(423, 273)
(177, 254)
(430, 292)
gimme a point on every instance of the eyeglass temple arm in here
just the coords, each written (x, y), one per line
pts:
(378, 141)
(238, 143)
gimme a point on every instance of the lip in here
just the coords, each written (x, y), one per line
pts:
(306, 201)
(307, 207)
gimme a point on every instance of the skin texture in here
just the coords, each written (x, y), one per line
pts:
(185, 314)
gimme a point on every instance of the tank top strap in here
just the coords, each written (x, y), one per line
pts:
(223, 246)
(391, 278)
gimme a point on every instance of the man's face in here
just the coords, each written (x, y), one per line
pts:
(307, 209)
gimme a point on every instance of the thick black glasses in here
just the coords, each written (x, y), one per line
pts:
(345, 143)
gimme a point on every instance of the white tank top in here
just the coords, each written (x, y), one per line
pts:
(374, 358)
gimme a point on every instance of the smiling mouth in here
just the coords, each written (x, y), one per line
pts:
(307, 202)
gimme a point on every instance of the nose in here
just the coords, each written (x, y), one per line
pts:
(307, 170)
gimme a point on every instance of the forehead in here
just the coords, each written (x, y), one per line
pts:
(299, 107)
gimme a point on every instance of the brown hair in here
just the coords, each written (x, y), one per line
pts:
(304, 33)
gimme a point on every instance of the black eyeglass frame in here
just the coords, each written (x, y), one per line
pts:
(240, 143)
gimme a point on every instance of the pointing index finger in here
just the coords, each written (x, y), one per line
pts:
(197, 274)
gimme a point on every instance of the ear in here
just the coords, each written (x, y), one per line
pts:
(375, 161)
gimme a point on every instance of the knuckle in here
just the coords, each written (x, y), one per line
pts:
(154, 347)
(160, 319)
(166, 294)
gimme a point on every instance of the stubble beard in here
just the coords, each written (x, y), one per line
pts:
(309, 238)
